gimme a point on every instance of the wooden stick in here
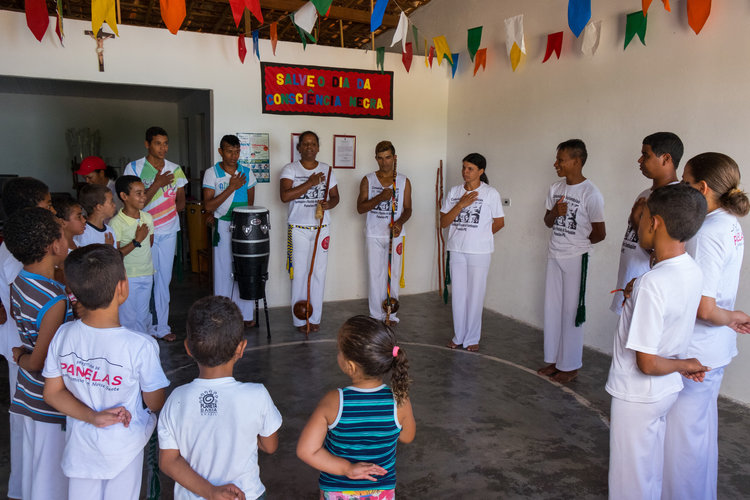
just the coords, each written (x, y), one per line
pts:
(390, 246)
(312, 260)
(341, 31)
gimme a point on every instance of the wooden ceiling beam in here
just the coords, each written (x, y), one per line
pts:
(343, 13)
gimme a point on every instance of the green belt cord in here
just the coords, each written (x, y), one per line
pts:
(581, 312)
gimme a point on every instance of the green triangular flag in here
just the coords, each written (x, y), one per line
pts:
(415, 32)
(381, 58)
(322, 6)
(636, 25)
(475, 40)
(304, 35)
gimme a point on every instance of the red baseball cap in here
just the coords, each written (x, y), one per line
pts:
(89, 164)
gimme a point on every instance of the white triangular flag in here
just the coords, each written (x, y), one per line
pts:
(306, 16)
(591, 35)
(514, 33)
(401, 32)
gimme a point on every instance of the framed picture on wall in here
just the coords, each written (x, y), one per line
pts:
(344, 151)
(295, 153)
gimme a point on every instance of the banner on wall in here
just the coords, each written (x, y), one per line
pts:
(291, 89)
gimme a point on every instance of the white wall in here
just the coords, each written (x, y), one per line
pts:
(693, 85)
(32, 132)
(190, 60)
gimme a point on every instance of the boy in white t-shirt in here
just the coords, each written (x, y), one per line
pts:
(210, 430)
(660, 156)
(98, 203)
(100, 374)
(575, 213)
(653, 332)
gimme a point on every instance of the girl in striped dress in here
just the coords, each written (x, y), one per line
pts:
(351, 436)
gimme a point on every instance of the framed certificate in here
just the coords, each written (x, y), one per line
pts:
(344, 151)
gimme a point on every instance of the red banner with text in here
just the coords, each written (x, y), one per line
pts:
(291, 89)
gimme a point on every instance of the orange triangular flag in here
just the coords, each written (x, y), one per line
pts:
(274, 37)
(172, 13)
(698, 12)
(480, 59)
(647, 3)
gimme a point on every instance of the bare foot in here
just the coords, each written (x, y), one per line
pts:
(473, 348)
(548, 370)
(451, 345)
(250, 324)
(564, 377)
(170, 337)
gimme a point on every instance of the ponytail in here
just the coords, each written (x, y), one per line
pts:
(722, 176)
(484, 178)
(400, 377)
(735, 201)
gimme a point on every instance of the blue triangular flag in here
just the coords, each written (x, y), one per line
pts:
(579, 14)
(255, 44)
(454, 65)
(377, 14)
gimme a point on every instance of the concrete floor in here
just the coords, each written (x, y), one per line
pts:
(487, 425)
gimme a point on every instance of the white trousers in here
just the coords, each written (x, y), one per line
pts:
(43, 445)
(162, 254)
(224, 283)
(134, 312)
(10, 339)
(377, 260)
(303, 241)
(468, 285)
(636, 448)
(691, 460)
(563, 340)
(124, 486)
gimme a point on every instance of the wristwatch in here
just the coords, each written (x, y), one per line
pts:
(136, 243)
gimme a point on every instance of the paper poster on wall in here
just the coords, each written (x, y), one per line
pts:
(255, 154)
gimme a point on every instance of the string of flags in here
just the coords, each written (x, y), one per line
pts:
(173, 14)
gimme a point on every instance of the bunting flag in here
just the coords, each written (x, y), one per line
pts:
(101, 11)
(407, 55)
(377, 14)
(173, 14)
(304, 35)
(241, 49)
(37, 17)
(475, 40)
(380, 59)
(238, 8)
(454, 64)
(636, 25)
(579, 14)
(514, 40)
(480, 60)
(305, 17)
(698, 12)
(322, 6)
(415, 32)
(402, 31)
(431, 54)
(256, 47)
(59, 25)
(554, 44)
(590, 41)
(274, 36)
(647, 3)
(442, 48)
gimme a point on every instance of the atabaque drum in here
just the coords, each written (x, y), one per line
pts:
(250, 250)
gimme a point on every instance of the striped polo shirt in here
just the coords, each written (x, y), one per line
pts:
(31, 296)
(365, 430)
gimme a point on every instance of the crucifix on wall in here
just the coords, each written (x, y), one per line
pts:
(100, 37)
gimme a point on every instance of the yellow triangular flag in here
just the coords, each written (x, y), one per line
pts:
(442, 48)
(101, 11)
(515, 56)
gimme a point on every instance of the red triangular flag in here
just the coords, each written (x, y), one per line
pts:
(432, 54)
(238, 8)
(172, 13)
(554, 44)
(254, 7)
(407, 55)
(698, 12)
(274, 37)
(241, 49)
(37, 17)
(480, 59)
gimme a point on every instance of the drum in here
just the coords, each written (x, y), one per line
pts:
(250, 250)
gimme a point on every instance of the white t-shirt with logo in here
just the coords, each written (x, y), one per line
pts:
(215, 424)
(570, 232)
(378, 223)
(105, 368)
(92, 234)
(717, 248)
(658, 318)
(471, 230)
(302, 210)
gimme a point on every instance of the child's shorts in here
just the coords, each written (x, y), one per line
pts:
(358, 495)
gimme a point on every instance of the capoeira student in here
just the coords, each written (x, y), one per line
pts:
(653, 331)
(227, 185)
(375, 193)
(575, 212)
(165, 194)
(302, 186)
(660, 156)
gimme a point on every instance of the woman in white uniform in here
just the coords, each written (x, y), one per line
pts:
(474, 212)
(690, 448)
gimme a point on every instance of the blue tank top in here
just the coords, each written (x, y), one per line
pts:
(366, 430)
